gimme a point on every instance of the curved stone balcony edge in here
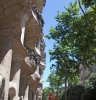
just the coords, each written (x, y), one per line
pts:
(38, 14)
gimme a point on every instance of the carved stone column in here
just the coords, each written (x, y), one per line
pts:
(24, 87)
(39, 91)
(5, 60)
(26, 93)
(14, 83)
(18, 58)
(30, 94)
(2, 85)
(5, 72)
(34, 96)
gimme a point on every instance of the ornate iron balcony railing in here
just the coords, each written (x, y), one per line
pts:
(33, 56)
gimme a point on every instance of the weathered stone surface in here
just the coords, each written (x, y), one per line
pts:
(21, 49)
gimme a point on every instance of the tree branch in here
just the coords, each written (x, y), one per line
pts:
(81, 7)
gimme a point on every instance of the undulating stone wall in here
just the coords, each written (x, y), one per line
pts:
(22, 56)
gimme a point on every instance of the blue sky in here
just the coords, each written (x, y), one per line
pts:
(49, 12)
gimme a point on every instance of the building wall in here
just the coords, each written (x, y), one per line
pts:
(85, 72)
(22, 56)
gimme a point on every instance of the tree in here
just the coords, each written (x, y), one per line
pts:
(63, 53)
(89, 3)
(56, 82)
(90, 86)
(75, 42)
(46, 92)
(90, 83)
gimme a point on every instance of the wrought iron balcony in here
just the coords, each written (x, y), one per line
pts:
(33, 56)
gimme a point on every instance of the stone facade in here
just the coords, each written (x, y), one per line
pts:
(22, 57)
(85, 72)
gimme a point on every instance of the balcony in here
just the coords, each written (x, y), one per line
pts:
(42, 65)
(39, 4)
(36, 13)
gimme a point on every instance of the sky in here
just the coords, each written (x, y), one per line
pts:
(49, 12)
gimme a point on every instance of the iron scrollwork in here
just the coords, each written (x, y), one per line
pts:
(33, 56)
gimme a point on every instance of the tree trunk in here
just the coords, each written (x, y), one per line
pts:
(65, 88)
(57, 94)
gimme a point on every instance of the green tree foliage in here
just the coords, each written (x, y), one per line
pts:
(46, 92)
(91, 82)
(75, 42)
(63, 51)
(90, 86)
(89, 3)
(55, 80)
(56, 83)
(66, 62)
